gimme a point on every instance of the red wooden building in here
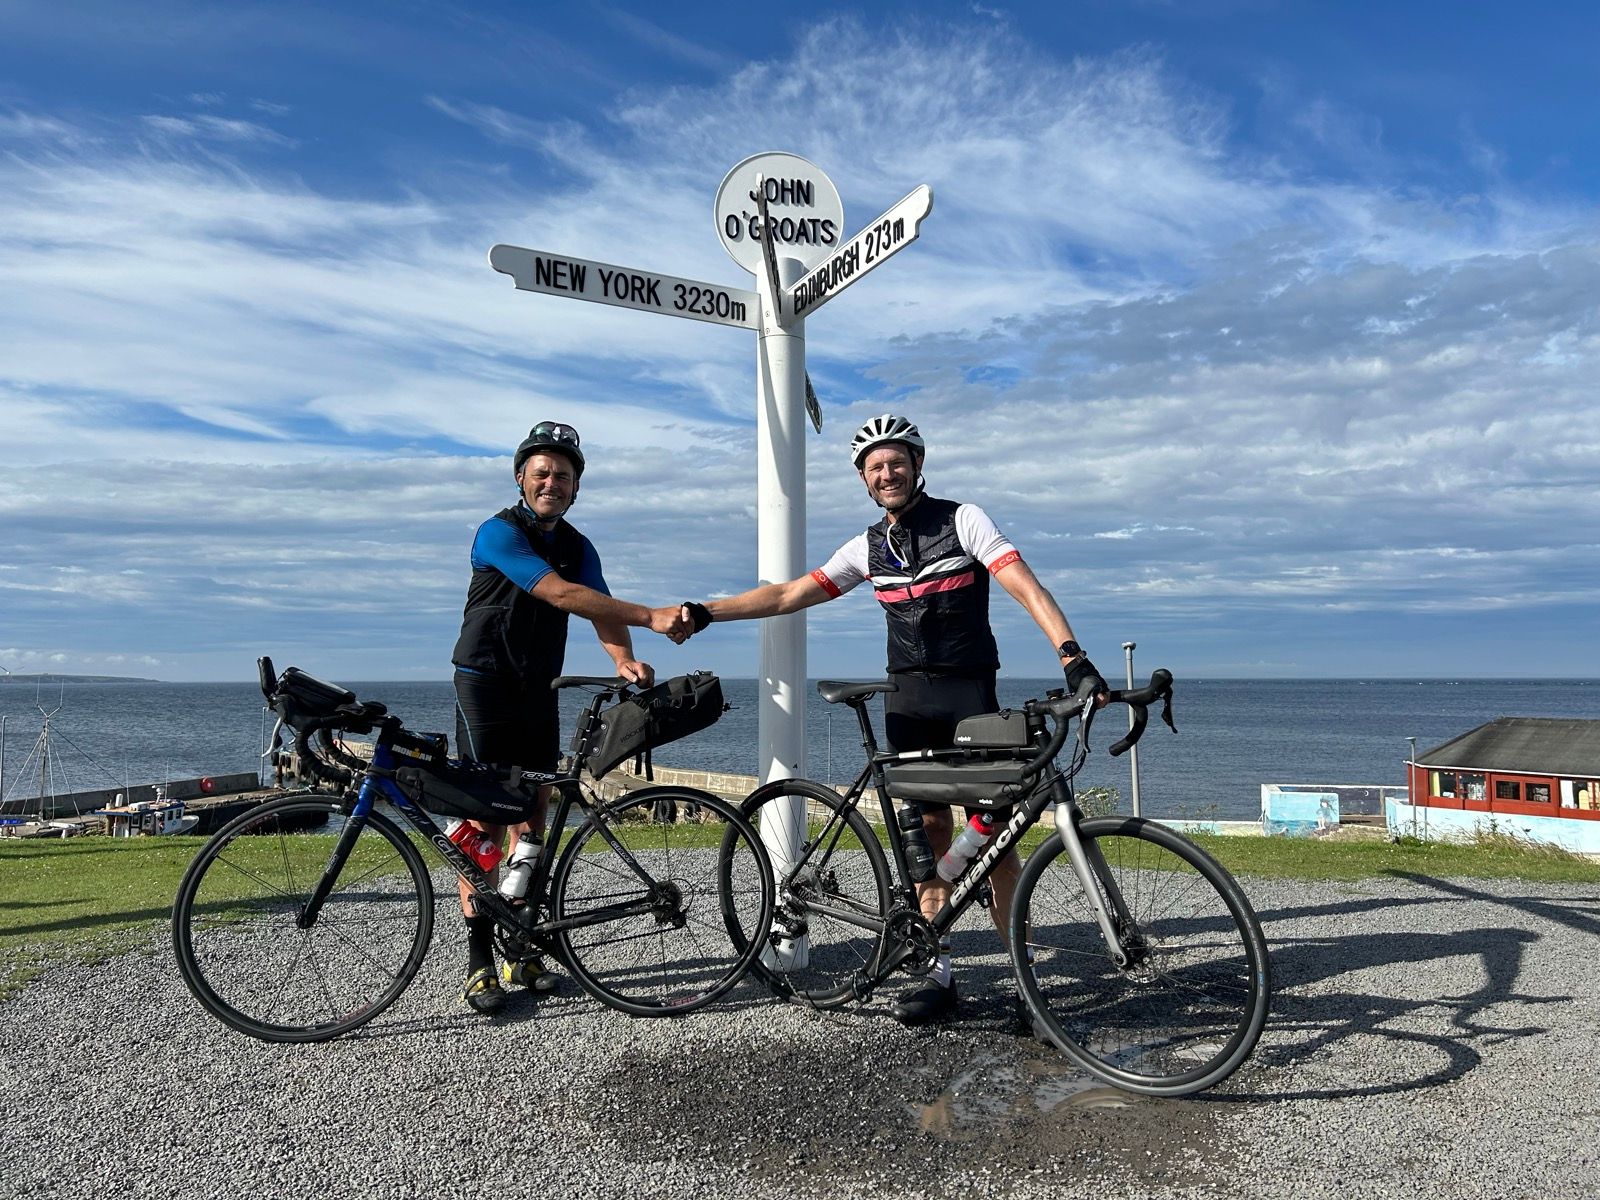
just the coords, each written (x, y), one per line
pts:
(1527, 766)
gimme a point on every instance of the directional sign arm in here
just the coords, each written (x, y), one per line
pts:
(878, 242)
(626, 287)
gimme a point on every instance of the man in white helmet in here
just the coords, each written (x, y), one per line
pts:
(929, 562)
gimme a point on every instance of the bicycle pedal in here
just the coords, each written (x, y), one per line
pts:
(985, 896)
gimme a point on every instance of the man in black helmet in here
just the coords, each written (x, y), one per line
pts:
(929, 562)
(530, 571)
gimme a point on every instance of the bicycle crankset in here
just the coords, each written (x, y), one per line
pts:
(911, 931)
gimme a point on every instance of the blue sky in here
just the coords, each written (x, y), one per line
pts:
(1267, 330)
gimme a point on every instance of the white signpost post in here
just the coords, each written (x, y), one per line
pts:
(780, 218)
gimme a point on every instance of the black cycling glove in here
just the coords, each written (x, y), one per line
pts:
(1080, 669)
(699, 614)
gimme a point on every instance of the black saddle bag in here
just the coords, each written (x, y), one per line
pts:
(469, 790)
(633, 727)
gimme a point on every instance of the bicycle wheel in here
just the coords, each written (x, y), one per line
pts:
(235, 922)
(831, 902)
(636, 900)
(1188, 1006)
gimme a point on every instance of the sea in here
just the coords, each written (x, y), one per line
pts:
(1233, 735)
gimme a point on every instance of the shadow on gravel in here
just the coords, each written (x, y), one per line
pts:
(1565, 912)
(120, 917)
(1304, 1022)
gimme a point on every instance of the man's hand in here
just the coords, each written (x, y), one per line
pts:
(633, 671)
(697, 614)
(672, 622)
(1081, 670)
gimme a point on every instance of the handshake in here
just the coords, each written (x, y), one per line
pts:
(680, 622)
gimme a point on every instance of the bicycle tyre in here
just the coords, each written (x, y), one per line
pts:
(833, 877)
(1189, 1008)
(662, 948)
(237, 943)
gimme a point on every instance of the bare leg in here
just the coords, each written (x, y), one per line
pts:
(932, 894)
(463, 889)
(1003, 882)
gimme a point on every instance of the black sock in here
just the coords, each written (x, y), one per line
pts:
(480, 943)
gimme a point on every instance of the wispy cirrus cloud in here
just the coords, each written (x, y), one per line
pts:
(205, 127)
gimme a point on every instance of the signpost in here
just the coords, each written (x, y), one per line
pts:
(780, 218)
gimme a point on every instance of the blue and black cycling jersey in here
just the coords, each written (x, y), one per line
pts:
(505, 630)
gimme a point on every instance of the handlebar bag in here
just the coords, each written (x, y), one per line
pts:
(300, 698)
(633, 727)
(993, 784)
(472, 791)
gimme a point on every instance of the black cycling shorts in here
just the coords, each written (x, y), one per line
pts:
(503, 722)
(923, 713)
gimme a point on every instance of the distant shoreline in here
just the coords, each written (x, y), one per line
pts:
(51, 677)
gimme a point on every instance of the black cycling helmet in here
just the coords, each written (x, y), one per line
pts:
(552, 437)
(880, 430)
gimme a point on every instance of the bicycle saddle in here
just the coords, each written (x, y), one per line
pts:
(836, 691)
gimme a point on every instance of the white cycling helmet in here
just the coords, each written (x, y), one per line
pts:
(887, 428)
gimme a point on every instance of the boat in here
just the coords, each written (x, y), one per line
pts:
(161, 817)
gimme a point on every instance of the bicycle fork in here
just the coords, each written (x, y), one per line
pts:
(1095, 876)
(355, 821)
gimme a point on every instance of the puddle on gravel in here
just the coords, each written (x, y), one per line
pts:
(995, 1088)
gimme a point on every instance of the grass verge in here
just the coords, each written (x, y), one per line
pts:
(85, 899)
(1488, 856)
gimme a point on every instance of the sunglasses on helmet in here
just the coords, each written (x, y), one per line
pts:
(554, 431)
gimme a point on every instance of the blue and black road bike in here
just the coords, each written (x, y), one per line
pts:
(308, 915)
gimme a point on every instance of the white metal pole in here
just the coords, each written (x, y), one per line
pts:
(780, 555)
(1133, 754)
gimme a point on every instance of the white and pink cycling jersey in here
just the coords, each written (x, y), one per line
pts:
(980, 539)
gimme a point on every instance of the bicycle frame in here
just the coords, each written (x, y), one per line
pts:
(378, 784)
(1051, 788)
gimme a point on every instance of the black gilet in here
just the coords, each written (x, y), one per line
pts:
(937, 600)
(505, 630)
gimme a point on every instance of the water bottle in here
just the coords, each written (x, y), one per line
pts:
(919, 851)
(474, 842)
(519, 869)
(978, 831)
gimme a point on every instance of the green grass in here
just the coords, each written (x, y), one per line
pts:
(83, 899)
(1489, 856)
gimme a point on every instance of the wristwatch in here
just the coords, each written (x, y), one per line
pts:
(1069, 649)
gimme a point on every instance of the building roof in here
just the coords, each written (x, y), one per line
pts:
(1524, 746)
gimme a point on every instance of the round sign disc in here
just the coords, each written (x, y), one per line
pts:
(802, 203)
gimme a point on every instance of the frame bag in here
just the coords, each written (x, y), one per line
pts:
(471, 791)
(633, 727)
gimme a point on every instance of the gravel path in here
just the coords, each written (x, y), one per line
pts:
(1431, 1038)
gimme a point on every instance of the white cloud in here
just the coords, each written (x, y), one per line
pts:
(1186, 378)
(205, 127)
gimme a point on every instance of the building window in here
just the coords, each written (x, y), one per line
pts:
(1444, 784)
(1538, 793)
(1585, 793)
(1507, 789)
(1473, 786)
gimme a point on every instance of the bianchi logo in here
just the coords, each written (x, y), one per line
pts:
(999, 846)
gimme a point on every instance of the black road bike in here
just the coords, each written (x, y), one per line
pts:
(1136, 953)
(308, 915)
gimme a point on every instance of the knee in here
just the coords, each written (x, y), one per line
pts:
(937, 821)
